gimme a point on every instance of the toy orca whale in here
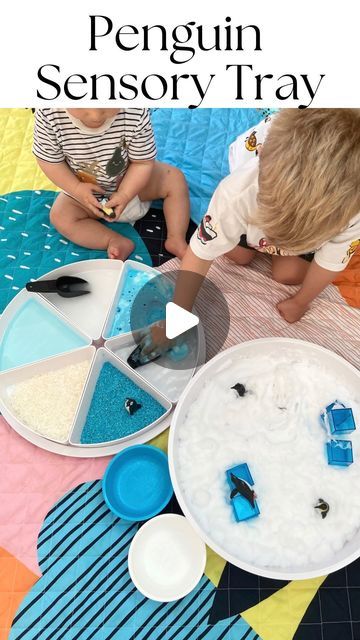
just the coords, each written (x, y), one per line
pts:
(243, 488)
(131, 406)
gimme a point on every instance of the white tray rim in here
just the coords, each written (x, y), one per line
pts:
(272, 573)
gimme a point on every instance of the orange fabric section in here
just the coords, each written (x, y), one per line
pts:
(348, 282)
(15, 582)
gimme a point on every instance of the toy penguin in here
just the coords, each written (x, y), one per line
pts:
(131, 406)
(323, 507)
(240, 389)
(107, 210)
(244, 489)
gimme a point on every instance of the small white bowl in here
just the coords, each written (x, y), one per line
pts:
(166, 558)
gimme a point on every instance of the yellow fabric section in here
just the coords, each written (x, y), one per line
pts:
(278, 617)
(214, 566)
(20, 170)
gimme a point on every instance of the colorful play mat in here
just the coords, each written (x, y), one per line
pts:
(63, 556)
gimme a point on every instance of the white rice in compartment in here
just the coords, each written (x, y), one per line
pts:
(46, 403)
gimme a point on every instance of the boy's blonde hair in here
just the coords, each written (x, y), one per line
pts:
(309, 179)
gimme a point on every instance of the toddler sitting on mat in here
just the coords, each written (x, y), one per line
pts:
(95, 153)
(297, 200)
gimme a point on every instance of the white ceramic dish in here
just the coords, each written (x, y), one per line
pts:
(87, 316)
(166, 558)
(349, 376)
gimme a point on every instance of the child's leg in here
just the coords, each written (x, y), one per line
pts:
(241, 255)
(79, 225)
(168, 183)
(289, 269)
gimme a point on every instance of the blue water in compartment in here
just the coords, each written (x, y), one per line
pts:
(152, 308)
(35, 333)
(107, 418)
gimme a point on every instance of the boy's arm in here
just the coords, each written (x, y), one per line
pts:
(190, 278)
(314, 283)
(135, 179)
(60, 174)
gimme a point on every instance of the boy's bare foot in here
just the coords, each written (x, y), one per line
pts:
(176, 246)
(120, 248)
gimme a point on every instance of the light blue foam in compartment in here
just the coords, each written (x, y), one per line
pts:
(35, 333)
(156, 292)
(134, 281)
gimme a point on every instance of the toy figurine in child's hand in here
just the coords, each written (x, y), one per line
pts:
(291, 309)
(85, 194)
(117, 203)
(153, 344)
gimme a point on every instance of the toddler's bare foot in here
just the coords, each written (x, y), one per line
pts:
(120, 248)
(176, 246)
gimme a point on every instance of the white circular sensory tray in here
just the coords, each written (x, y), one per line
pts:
(46, 339)
(275, 428)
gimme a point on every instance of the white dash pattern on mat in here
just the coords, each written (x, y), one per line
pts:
(8, 277)
(47, 246)
(3, 199)
(48, 206)
(57, 260)
(74, 254)
(11, 218)
(63, 241)
(45, 225)
(139, 258)
(17, 211)
(26, 235)
(11, 257)
(23, 266)
(27, 253)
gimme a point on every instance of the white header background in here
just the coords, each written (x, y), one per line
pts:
(310, 37)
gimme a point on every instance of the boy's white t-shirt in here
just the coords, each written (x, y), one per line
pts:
(225, 224)
(99, 155)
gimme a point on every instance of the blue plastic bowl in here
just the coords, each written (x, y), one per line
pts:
(136, 484)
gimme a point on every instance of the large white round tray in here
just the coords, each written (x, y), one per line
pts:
(349, 375)
(90, 317)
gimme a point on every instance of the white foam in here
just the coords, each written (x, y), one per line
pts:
(275, 428)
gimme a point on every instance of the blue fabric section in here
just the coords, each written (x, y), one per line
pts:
(197, 141)
(86, 591)
(30, 246)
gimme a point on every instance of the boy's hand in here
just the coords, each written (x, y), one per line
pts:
(117, 203)
(84, 193)
(292, 309)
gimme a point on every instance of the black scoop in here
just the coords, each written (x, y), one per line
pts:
(65, 286)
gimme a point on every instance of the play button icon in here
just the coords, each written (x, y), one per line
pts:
(195, 335)
(178, 320)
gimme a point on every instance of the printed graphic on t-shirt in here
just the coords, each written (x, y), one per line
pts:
(252, 144)
(351, 250)
(206, 230)
(271, 249)
(93, 171)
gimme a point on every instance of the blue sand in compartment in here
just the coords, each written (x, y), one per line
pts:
(136, 484)
(107, 418)
(339, 453)
(35, 333)
(241, 506)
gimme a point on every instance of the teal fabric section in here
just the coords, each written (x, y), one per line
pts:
(30, 246)
(197, 141)
(86, 591)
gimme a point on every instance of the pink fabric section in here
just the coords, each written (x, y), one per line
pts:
(31, 479)
(252, 295)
